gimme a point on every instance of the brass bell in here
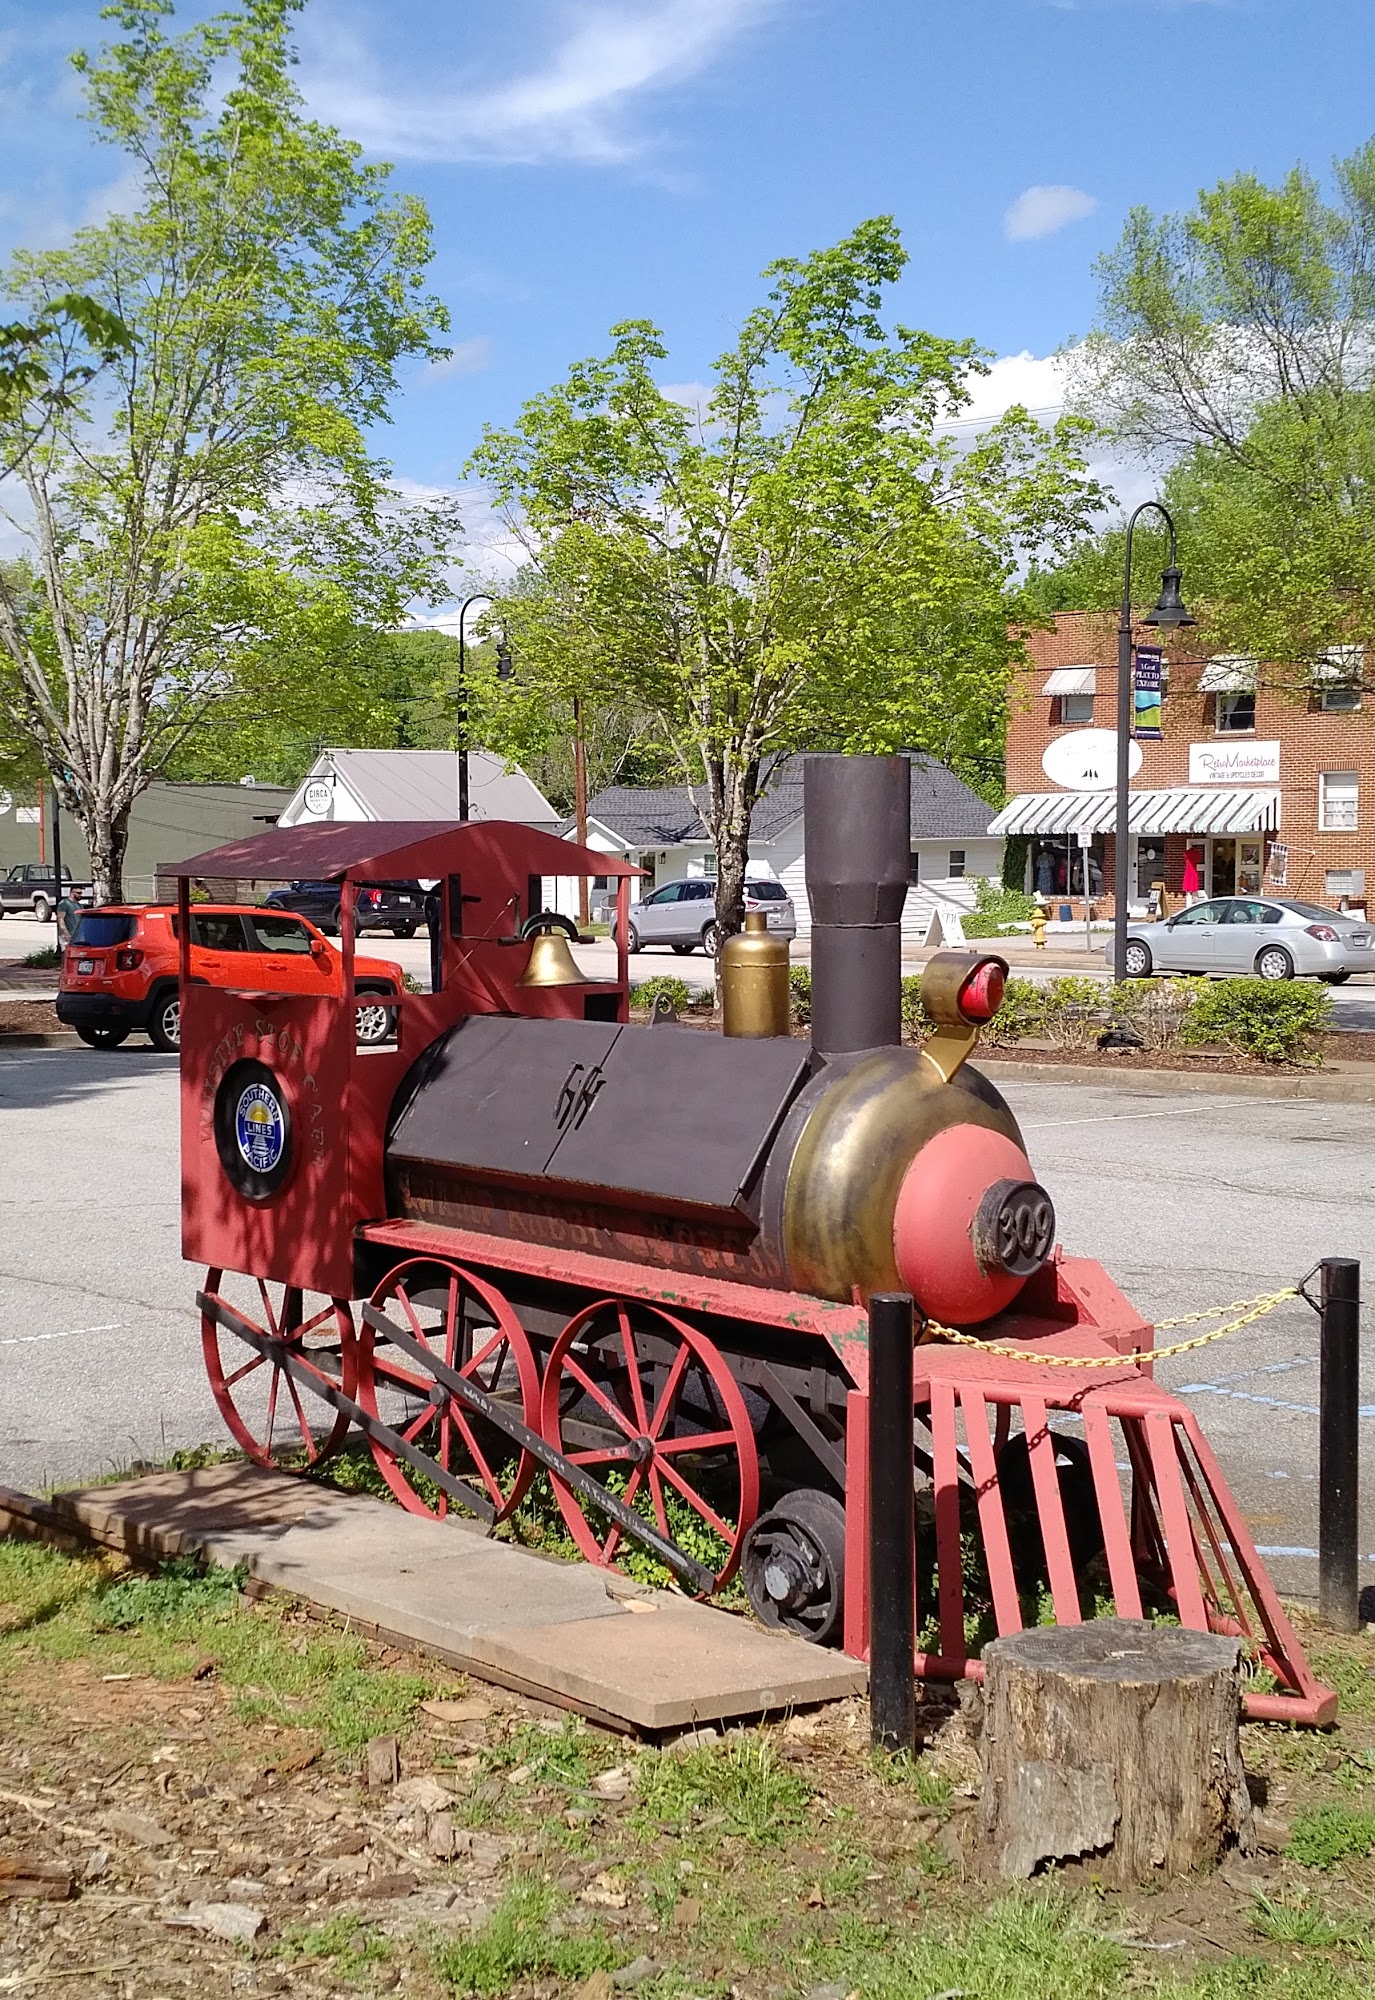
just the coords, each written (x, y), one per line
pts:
(551, 963)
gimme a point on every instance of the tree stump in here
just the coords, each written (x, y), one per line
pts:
(1117, 1740)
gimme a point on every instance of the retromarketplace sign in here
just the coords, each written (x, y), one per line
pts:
(1234, 763)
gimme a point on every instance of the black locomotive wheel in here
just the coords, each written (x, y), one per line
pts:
(468, 1325)
(649, 1406)
(793, 1565)
(272, 1415)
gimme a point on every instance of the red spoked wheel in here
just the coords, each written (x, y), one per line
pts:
(272, 1416)
(467, 1324)
(649, 1406)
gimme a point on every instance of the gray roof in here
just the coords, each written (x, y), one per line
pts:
(423, 785)
(943, 808)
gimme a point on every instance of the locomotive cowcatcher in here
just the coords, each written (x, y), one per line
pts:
(531, 1233)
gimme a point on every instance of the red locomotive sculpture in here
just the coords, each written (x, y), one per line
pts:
(639, 1255)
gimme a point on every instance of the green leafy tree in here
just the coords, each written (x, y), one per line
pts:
(807, 561)
(1236, 353)
(46, 360)
(207, 528)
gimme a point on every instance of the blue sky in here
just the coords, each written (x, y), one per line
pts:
(591, 160)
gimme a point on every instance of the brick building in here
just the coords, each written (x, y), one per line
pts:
(1263, 778)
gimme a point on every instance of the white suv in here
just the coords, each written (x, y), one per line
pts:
(682, 914)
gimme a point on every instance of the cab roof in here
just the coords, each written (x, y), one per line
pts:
(385, 851)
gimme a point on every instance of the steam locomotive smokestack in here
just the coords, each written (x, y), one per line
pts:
(857, 812)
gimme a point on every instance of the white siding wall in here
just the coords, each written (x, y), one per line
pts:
(936, 884)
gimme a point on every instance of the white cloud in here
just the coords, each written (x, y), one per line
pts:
(1039, 382)
(1040, 211)
(465, 357)
(570, 105)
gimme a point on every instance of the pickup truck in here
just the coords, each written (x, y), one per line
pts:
(30, 890)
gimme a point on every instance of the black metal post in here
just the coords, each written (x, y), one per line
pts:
(1339, 1396)
(478, 597)
(1168, 614)
(892, 1548)
(57, 852)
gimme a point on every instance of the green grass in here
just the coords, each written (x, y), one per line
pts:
(739, 1789)
(517, 1944)
(54, 1607)
(915, 1773)
(350, 1946)
(1331, 1833)
(1304, 1923)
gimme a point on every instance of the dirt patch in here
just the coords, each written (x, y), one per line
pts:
(525, 1853)
(28, 1017)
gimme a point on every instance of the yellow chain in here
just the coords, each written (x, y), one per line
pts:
(1255, 1309)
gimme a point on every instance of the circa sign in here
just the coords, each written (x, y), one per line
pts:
(319, 796)
(1234, 763)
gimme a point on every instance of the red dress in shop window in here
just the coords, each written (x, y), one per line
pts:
(1193, 881)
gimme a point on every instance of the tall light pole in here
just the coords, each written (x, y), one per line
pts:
(505, 672)
(1168, 615)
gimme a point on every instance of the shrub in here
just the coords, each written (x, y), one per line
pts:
(1075, 1012)
(1024, 1012)
(1155, 1008)
(47, 958)
(1277, 1021)
(800, 991)
(916, 1022)
(996, 908)
(645, 992)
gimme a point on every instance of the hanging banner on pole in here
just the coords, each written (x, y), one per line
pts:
(1277, 867)
(1148, 675)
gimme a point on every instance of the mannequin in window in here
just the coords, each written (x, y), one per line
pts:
(1045, 871)
(1192, 883)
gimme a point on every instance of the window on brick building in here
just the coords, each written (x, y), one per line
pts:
(1068, 708)
(1235, 713)
(1338, 801)
(1337, 680)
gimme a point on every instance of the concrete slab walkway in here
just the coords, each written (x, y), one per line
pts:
(583, 1638)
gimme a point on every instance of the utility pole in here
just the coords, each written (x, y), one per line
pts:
(580, 802)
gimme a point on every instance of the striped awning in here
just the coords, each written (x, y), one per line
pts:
(1072, 680)
(1182, 809)
(1228, 673)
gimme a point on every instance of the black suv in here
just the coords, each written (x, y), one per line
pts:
(398, 907)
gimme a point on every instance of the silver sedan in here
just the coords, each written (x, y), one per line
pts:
(1267, 936)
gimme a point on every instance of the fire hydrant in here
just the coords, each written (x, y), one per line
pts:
(1038, 925)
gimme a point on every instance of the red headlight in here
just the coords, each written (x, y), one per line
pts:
(1325, 932)
(128, 960)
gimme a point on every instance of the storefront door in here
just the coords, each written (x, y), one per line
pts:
(1222, 867)
(1150, 863)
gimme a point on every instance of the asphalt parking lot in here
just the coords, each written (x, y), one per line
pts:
(1187, 1204)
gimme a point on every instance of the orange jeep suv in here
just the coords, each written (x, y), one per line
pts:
(119, 971)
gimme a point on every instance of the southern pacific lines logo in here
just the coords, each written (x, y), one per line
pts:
(259, 1128)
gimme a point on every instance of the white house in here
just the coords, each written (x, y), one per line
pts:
(661, 831)
(414, 784)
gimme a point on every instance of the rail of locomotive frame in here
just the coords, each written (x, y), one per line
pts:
(449, 1384)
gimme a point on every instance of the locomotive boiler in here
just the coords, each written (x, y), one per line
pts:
(536, 1235)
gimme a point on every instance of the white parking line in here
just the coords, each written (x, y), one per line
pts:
(1112, 1117)
(72, 1333)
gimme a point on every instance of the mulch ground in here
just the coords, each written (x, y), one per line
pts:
(158, 1802)
(29, 1017)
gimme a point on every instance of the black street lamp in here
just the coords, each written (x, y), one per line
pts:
(505, 672)
(1168, 615)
